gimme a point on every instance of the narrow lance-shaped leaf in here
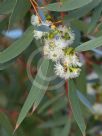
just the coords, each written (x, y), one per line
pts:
(17, 47)
(5, 65)
(49, 103)
(36, 93)
(97, 42)
(77, 13)
(5, 123)
(59, 105)
(85, 101)
(95, 18)
(4, 24)
(81, 81)
(67, 5)
(66, 130)
(74, 102)
(80, 25)
(41, 93)
(7, 6)
(19, 11)
(54, 123)
(98, 70)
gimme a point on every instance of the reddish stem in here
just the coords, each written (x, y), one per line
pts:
(66, 87)
(35, 6)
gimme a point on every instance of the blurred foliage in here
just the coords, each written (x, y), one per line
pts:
(57, 113)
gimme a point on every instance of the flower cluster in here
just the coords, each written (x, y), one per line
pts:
(57, 47)
(36, 23)
(69, 65)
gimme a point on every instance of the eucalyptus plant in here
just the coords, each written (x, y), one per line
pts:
(60, 33)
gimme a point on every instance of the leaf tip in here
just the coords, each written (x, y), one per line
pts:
(17, 126)
(84, 134)
(33, 109)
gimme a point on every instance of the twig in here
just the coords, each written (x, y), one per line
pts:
(34, 6)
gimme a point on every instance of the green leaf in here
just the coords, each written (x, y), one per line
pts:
(37, 91)
(5, 123)
(59, 105)
(7, 6)
(99, 33)
(17, 47)
(5, 65)
(42, 28)
(67, 5)
(3, 24)
(49, 103)
(95, 18)
(80, 25)
(100, 26)
(74, 102)
(81, 81)
(77, 13)
(97, 42)
(19, 11)
(66, 130)
(98, 70)
(54, 123)
(77, 36)
(85, 101)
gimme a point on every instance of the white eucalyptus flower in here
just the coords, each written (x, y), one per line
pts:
(38, 34)
(49, 43)
(62, 36)
(52, 52)
(72, 36)
(75, 72)
(66, 72)
(71, 58)
(67, 36)
(35, 20)
(61, 43)
(72, 74)
(75, 60)
(97, 108)
(59, 70)
(67, 61)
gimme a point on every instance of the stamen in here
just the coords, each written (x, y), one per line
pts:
(58, 22)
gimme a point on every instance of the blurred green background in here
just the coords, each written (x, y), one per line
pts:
(53, 116)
